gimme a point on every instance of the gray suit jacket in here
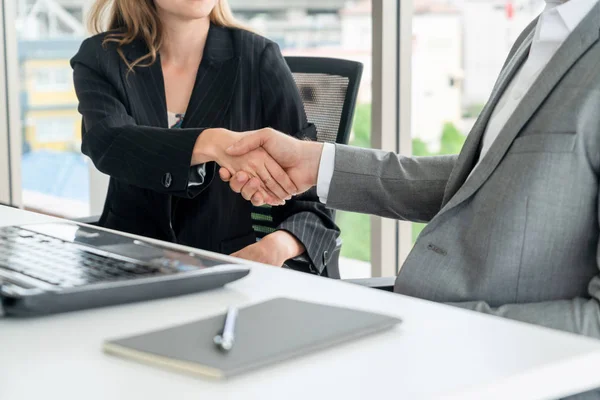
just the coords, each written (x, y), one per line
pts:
(519, 238)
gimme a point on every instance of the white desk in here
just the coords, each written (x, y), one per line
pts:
(437, 352)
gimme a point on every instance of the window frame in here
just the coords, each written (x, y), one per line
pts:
(390, 129)
(10, 125)
(5, 154)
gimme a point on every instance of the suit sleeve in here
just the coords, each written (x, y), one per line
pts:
(148, 157)
(391, 186)
(304, 216)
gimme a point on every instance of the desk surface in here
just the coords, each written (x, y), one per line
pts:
(437, 352)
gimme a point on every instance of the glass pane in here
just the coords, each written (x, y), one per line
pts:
(458, 51)
(338, 29)
(54, 172)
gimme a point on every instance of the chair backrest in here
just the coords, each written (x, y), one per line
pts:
(329, 88)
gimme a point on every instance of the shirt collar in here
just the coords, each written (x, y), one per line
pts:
(572, 12)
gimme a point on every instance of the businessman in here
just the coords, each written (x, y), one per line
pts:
(513, 220)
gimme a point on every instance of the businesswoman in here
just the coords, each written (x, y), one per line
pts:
(162, 93)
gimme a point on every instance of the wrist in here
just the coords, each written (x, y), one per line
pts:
(312, 159)
(284, 244)
(205, 149)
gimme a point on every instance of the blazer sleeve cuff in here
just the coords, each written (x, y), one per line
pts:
(318, 240)
(194, 190)
(186, 181)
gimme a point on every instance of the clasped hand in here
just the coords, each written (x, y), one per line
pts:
(265, 166)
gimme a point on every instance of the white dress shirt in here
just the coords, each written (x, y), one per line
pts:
(555, 24)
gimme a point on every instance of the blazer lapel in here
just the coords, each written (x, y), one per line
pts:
(145, 87)
(213, 89)
(581, 39)
(215, 82)
(469, 152)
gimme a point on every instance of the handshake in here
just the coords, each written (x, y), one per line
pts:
(265, 166)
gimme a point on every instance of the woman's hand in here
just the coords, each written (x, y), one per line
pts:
(299, 158)
(276, 186)
(274, 249)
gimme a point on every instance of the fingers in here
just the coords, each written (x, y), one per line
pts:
(271, 184)
(257, 200)
(225, 174)
(281, 177)
(250, 188)
(237, 182)
(253, 140)
(252, 191)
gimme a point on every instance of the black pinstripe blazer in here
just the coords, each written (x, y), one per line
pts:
(243, 83)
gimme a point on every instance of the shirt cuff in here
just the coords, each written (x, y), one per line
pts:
(197, 175)
(326, 166)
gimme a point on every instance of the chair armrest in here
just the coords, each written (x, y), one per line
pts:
(385, 283)
(93, 220)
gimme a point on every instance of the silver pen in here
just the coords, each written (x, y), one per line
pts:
(226, 339)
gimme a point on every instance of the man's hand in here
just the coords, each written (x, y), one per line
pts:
(274, 184)
(274, 249)
(300, 160)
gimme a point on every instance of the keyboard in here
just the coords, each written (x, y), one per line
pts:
(61, 266)
(67, 264)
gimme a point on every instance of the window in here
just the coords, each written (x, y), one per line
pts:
(333, 28)
(51, 131)
(458, 51)
(52, 79)
(54, 174)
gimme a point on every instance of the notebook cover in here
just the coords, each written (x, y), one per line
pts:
(265, 333)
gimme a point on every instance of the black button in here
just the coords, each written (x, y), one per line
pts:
(167, 179)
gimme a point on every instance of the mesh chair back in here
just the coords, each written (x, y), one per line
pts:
(329, 88)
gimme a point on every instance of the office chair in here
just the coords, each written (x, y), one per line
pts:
(329, 88)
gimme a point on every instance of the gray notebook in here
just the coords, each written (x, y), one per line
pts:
(265, 333)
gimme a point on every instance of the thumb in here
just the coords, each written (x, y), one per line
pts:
(251, 141)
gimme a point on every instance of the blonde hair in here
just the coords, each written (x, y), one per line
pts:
(132, 19)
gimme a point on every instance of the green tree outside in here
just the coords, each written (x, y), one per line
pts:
(356, 228)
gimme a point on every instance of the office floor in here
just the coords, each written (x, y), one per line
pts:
(353, 269)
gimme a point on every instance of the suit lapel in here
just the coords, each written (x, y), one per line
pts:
(578, 42)
(213, 89)
(145, 87)
(469, 152)
(215, 82)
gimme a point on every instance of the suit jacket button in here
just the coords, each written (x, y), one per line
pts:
(325, 257)
(166, 180)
